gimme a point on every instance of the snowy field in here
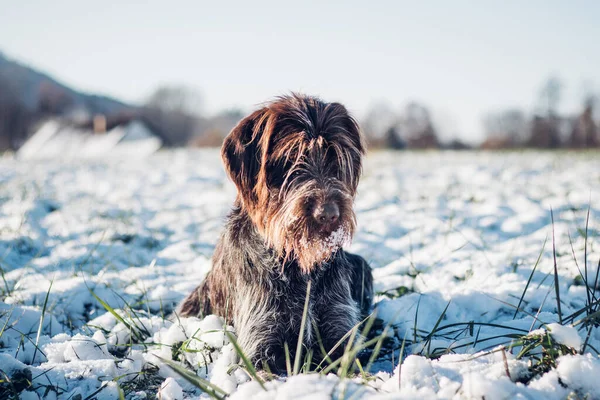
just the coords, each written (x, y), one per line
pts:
(95, 255)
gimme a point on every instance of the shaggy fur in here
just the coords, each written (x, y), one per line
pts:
(296, 164)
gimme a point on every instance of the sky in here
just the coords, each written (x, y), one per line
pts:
(463, 59)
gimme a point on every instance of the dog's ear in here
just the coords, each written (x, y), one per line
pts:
(241, 153)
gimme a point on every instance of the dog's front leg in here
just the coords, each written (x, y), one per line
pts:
(261, 331)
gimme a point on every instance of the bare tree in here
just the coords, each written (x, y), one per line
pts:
(545, 130)
(418, 127)
(379, 123)
(509, 127)
(393, 139)
(176, 98)
(213, 130)
(585, 131)
(174, 111)
(549, 96)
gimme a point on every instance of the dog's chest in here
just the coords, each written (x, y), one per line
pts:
(329, 305)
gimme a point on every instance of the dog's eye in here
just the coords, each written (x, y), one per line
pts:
(275, 180)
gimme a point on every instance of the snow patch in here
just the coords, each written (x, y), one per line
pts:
(566, 335)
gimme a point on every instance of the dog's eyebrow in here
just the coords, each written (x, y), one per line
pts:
(294, 167)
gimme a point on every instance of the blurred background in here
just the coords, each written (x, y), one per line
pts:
(95, 77)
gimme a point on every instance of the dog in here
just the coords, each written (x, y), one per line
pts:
(296, 163)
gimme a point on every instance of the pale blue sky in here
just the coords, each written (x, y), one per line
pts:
(462, 58)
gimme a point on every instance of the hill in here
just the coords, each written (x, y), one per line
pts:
(28, 95)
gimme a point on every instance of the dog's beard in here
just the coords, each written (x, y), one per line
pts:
(292, 232)
(316, 250)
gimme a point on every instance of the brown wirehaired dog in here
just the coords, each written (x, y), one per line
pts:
(296, 163)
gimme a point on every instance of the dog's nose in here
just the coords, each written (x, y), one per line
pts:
(327, 214)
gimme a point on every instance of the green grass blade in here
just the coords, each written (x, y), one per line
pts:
(360, 369)
(210, 389)
(41, 326)
(8, 291)
(339, 343)
(308, 361)
(354, 351)
(377, 348)
(416, 320)
(121, 393)
(581, 274)
(348, 356)
(298, 355)
(6, 321)
(587, 339)
(596, 279)
(249, 366)
(111, 310)
(141, 328)
(325, 356)
(93, 394)
(400, 361)
(288, 363)
(530, 277)
(435, 327)
(556, 280)
(585, 252)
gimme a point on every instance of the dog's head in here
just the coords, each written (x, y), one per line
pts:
(296, 164)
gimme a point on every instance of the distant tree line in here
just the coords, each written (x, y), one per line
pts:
(411, 128)
(545, 128)
(175, 113)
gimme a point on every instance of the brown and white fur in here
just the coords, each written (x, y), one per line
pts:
(296, 164)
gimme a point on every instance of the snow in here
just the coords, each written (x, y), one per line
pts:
(566, 335)
(304, 387)
(457, 234)
(170, 390)
(334, 241)
(57, 140)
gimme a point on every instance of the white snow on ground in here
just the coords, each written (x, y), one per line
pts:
(566, 335)
(453, 239)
